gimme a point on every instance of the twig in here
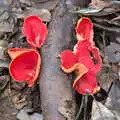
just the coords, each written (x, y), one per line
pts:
(42, 1)
(3, 88)
(110, 29)
(116, 18)
(81, 106)
(99, 20)
(110, 88)
(104, 43)
(85, 106)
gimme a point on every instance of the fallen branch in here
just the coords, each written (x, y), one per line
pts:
(56, 94)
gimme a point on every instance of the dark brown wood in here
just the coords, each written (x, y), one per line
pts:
(55, 85)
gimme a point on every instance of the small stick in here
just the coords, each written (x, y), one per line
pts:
(104, 43)
(85, 107)
(110, 29)
(81, 106)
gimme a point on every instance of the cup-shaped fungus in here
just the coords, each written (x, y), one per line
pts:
(84, 30)
(25, 65)
(35, 31)
(14, 52)
(84, 60)
(87, 84)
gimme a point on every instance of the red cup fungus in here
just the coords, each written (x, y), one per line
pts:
(35, 31)
(84, 30)
(25, 65)
(84, 59)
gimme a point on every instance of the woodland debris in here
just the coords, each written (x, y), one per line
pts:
(99, 111)
(113, 52)
(100, 4)
(19, 101)
(113, 100)
(24, 115)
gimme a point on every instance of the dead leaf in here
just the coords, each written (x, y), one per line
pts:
(113, 52)
(100, 4)
(45, 4)
(111, 109)
(26, 2)
(6, 22)
(106, 77)
(22, 115)
(3, 82)
(100, 112)
(18, 85)
(19, 101)
(7, 110)
(113, 100)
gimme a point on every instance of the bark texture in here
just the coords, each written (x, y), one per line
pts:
(56, 94)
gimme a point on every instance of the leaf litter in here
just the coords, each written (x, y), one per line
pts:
(12, 15)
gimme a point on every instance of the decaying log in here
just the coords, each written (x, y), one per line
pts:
(56, 95)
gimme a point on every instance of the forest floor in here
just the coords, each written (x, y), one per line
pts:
(18, 101)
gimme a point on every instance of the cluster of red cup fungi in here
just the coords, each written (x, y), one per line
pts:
(84, 60)
(25, 64)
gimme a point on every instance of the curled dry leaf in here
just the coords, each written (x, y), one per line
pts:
(101, 112)
(100, 4)
(113, 99)
(35, 31)
(84, 60)
(25, 65)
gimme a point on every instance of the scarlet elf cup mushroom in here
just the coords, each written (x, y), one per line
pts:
(35, 31)
(84, 59)
(25, 64)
